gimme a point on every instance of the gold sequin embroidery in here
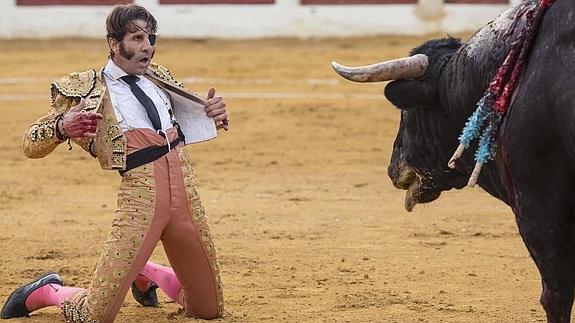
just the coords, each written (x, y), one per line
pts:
(43, 130)
(163, 73)
(136, 205)
(75, 84)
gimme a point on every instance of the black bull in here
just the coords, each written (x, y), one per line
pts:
(534, 171)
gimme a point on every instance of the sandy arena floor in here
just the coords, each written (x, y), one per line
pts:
(307, 225)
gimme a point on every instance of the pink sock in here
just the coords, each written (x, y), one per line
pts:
(164, 277)
(49, 295)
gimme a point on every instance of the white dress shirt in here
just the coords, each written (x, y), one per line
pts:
(129, 111)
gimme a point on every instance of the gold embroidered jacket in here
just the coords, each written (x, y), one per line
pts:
(109, 145)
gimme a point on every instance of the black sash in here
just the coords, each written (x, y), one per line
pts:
(149, 154)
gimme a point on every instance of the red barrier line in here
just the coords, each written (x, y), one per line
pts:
(71, 2)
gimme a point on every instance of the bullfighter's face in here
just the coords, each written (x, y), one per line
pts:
(134, 53)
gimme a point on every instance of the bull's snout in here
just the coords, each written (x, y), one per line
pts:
(401, 175)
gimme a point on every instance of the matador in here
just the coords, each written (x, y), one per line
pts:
(128, 116)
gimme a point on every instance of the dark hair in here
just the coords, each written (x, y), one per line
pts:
(119, 21)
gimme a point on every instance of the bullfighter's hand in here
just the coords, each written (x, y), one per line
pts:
(215, 107)
(77, 123)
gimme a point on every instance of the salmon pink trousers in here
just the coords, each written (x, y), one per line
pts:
(156, 201)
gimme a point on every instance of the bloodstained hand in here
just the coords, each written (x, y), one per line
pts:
(78, 124)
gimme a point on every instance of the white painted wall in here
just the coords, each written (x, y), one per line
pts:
(285, 18)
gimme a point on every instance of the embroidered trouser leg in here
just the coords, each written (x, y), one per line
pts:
(130, 243)
(157, 200)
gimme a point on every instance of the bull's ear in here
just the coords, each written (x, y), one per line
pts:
(408, 94)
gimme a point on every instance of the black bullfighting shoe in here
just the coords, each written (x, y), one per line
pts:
(15, 306)
(147, 298)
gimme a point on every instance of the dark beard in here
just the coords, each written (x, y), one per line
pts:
(124, 53)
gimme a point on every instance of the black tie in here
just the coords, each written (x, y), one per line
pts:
(144, 100)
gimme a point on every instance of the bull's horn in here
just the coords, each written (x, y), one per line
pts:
(411, 67)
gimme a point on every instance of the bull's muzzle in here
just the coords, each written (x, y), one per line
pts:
(402, 176)
(405, 178)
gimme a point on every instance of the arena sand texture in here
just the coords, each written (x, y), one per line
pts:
(307, 225)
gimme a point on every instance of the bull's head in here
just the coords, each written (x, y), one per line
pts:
(426, 136)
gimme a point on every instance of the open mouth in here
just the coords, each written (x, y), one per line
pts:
(144, 60)
(418, 193)
(419, 189)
